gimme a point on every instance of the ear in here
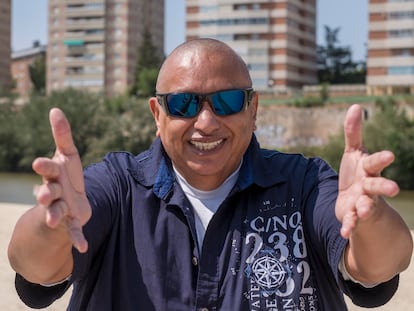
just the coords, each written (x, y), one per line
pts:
(253, 108)
(155, 110)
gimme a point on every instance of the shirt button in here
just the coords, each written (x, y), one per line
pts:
(195, 263)
(204, 309)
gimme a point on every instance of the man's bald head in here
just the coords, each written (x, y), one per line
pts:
(203, 59)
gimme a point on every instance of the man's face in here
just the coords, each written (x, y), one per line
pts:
(207, 148)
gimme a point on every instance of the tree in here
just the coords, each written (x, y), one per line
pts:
(10, 146)
(127, 124)
(335, 64)
(147, 79)
(80, 108)
(393, 130)
(148, 62)
(37, 72)
(99, 125)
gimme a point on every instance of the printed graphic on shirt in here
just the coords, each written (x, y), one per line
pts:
(277, 267)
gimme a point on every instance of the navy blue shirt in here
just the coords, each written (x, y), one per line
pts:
(273, 244)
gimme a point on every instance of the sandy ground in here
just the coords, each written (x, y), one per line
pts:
(9, 301)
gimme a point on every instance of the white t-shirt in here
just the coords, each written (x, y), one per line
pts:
(206, 203)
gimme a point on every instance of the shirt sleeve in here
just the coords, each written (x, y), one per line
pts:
(101, 189)
(328, 240)
(370, 297)
(38, 296)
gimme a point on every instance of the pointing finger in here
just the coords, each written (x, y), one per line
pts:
(66, 148)
(46, 168)
(380, 186)
(47, 193)
(348, 224)
(56, 212)
(76, 235)
(61, 131)
(376, 162)
(353, 128)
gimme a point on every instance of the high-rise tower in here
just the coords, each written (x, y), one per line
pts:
(390, 63)
(92, 44)
(5, 46)
(277, 39)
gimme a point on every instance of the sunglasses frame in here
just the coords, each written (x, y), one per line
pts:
(162, 100)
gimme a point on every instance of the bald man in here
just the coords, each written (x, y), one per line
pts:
(206, 219)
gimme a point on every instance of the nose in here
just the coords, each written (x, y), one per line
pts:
(207, 121)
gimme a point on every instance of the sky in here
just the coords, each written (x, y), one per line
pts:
(29, 23)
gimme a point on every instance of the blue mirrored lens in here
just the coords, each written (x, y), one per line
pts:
(188, 105)
(227, 102)
(183, 104)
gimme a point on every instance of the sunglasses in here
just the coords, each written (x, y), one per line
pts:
(188, 105)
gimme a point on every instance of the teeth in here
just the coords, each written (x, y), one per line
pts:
(206, 146)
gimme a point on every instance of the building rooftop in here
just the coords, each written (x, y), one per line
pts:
(29, 52)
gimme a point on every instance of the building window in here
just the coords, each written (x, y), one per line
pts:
(258, 67)
(223, 37)
(260, 83)
(241, 7)
(209, 8)
(93, 32)
(234, 21)
(401, 33)
(83, 82)
(401, 70)
(403, 52)
(87, 6)
(401, 15)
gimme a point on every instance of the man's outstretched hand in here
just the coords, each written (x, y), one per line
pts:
(62, 193)
(361, 186)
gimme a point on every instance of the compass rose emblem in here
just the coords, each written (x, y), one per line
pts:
(269, 273)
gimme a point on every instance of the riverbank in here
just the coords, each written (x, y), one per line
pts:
(9, 301)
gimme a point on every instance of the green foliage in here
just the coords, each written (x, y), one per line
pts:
(307, 102)
(10, 146)
(392, 129)
(99, 125)
(335, 62)
(147, 67)
(324, 93)
(79, 107)
(147, 79)
(37, 72)
(333, 151)
(389, 129)
(131, 128)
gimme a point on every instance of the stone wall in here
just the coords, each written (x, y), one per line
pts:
(286, 127)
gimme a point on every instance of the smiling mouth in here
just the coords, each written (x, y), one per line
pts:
(206, 146)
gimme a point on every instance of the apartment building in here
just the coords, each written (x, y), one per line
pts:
(5, 46)
(20, 64)
(92, 44)
(390, 63)
(277, 39)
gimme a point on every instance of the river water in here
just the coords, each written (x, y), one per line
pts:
(18, 188)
